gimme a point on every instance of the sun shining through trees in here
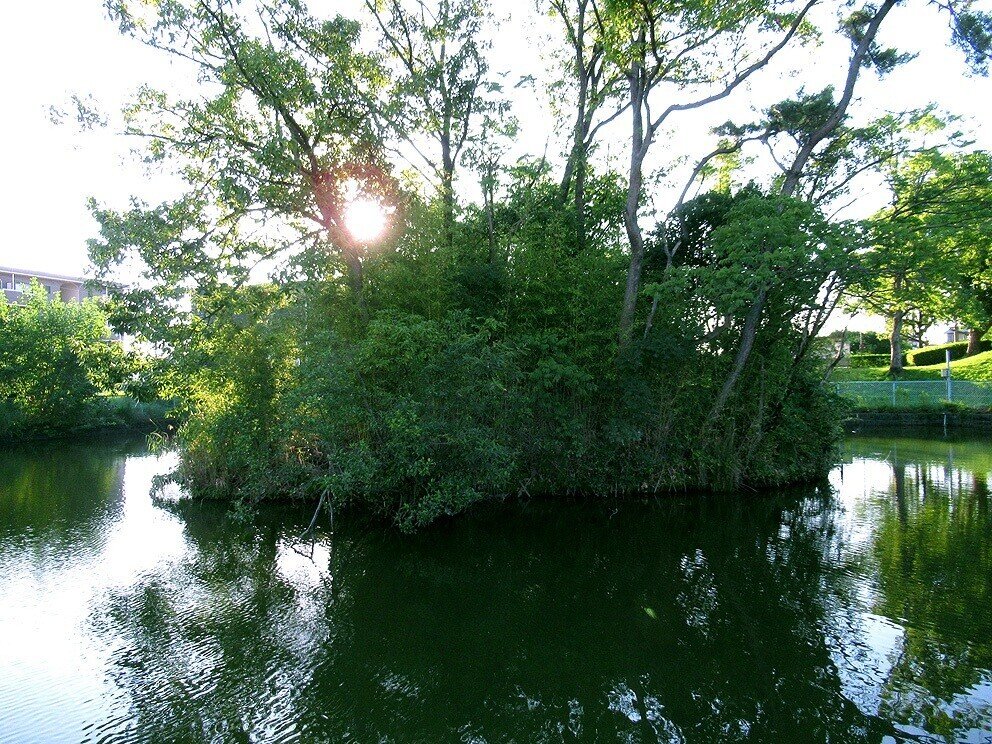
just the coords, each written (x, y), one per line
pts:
(365, 219)
(415, 351)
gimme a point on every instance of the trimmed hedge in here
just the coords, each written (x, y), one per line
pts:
(936, 354)
(868, 360)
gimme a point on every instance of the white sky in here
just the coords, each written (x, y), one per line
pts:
(51, 49)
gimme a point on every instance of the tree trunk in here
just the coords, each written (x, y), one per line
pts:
(574, 180)
(351, 251)
(748, 335)
(895, 343)
(575, 165)
(975, 340)
(356, 277)
(580, 205)
(640, 141)
(636, 239)
(579, 130)
(447, 185)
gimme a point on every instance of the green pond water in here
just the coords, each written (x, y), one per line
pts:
(858, 611)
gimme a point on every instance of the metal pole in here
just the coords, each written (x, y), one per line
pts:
(948, 375)
(951, 337)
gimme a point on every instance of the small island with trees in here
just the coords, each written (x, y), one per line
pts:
(360, 299)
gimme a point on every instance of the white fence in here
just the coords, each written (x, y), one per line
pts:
(917, 393)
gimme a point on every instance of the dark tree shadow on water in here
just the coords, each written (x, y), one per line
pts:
(713, 620)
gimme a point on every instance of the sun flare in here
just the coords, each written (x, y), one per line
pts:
(365, 219)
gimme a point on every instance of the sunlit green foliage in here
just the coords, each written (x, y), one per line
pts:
(472, 378)
(55, 358)
(930, 251)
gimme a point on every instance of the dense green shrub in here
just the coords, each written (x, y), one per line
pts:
(50, 353)
(938, 354)
(868, 360)
(461, 380)
(869, 342)
(56, 365)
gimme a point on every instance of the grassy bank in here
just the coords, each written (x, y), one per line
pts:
(977, 368)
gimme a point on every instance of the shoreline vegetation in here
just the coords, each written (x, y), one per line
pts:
(62, 375)
(104, 415)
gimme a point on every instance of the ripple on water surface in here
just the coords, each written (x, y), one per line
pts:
(854, 612)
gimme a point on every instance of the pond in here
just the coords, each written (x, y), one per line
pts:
(858, 611)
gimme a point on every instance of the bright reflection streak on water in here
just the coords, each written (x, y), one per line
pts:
(51, 577)
(854, 613)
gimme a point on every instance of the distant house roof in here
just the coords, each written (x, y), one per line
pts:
(43, 275)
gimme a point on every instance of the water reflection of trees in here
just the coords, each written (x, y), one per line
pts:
(48, 489)
(217, 644)
(694, 623)
(933, 552)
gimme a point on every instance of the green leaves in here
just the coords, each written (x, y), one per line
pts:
(277, 139)
(930, 251)
(971, 31)
(55, 357)
(473, 352)
(882, 59)
(733, 246)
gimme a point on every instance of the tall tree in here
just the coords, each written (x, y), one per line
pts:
(439, 84)
(809, 135)
(688, 49)
(966, 217)
(817, 133)
(271, 149)
(902, 274)
(929, 247)
(592, 80)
